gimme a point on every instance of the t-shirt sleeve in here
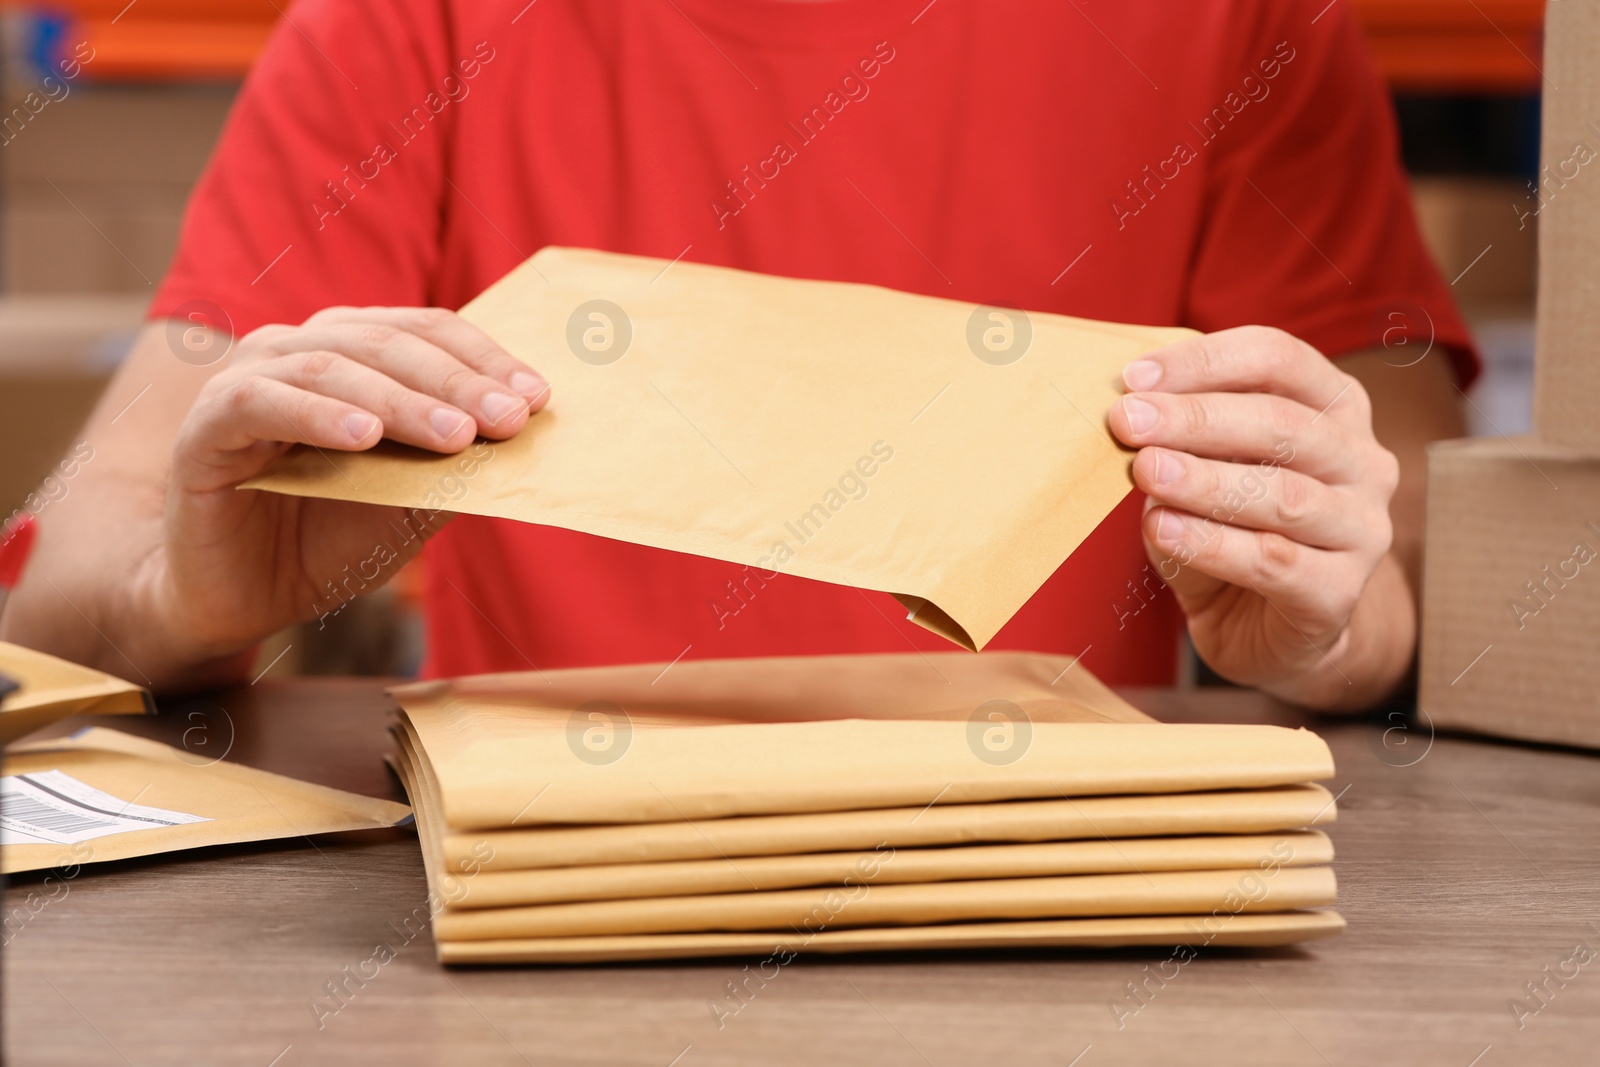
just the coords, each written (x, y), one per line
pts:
(1308, 222)
(326, 185)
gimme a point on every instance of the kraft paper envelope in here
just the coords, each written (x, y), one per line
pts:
(621, 881)
(1244, 811)
(1236, 931)
(497, 765)
(903, 685)
(950, 454)
(104, 795)
(491, 887)
(49, 689)
(495, 772)
(864, 904)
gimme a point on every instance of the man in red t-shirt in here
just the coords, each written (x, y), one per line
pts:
(1212, 164)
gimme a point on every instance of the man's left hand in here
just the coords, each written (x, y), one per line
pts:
(1269, 505)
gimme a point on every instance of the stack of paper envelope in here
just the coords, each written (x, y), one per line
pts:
(102, 795)
(853, 803)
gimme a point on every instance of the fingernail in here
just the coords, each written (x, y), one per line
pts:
(360, 427)
(501, 406)
(1142, 375)
(528, 384)
(1140, 413)
(1169, 527)
(446, 423)
(1168, 468)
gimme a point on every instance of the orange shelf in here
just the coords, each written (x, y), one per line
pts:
(1489, 46)
(164, 40)
(262, 11)
(1463, 46)
(171, 51)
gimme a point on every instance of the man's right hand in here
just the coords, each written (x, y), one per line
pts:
(151, 563)
(234, 566)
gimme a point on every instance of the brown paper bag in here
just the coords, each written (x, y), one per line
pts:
(949, 454)
(866, 903)
(890, 866)
(1234, 931)
(104, 795)
(49, 689)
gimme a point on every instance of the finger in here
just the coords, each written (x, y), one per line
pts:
(455, 335)
(407, 415)
(1249, 359)
(253, 409)
(1248, 427)
(1313, 588)
(419, 365)
(1259, 496)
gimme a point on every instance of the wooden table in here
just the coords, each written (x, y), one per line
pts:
(1465, 869)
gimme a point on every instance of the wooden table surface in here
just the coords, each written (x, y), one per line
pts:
(1466, 869)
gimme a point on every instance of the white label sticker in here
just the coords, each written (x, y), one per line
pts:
(49, 807)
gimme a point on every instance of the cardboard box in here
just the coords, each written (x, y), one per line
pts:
(1511, 590)
(95, 185)
(1473, 228)
(1567, 370)
(56, 355)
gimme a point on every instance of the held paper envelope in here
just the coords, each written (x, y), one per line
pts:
(950, 454)
(176, 800)
(49, 689)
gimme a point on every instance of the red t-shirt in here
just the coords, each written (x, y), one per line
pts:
(1210, 163)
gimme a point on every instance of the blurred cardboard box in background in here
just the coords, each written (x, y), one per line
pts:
(1484, 238)
(1478, 238)
(56, 353)
(92, 190)
(95, 185)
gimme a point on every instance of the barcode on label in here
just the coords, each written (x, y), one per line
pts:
(50, 807)
(23, 808)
